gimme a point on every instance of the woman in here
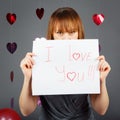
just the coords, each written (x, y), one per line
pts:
(64, 23)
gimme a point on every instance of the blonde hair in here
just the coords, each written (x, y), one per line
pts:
(67, 20)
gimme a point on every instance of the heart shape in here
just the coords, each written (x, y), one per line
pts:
(11, 47)
(11, 76)
(11, 18)
(40, 12)
(98, 19)
(71, 75)
(76, 56)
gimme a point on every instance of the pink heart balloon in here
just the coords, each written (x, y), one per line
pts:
(98, 19)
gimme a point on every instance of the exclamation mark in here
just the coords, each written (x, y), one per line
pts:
(91, 71)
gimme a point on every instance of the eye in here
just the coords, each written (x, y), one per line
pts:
(59, 32)
(72, 32)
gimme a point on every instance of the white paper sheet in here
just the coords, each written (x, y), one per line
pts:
(65, 67)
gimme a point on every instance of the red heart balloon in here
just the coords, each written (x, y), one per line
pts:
(40, 12)
(98, 19)
(9, 114)
(11, 18)
(11, 47)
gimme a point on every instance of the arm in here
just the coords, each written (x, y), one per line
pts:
(100, 102)
(27, 102)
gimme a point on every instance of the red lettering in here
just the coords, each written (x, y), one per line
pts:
(48, 56)
(71, 75)
(78, 55)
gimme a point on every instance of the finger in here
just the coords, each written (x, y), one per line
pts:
(30, 54)
(104, 66)
(28, 61)
(101, 64)
(28, 64)
(31, 60)
(101, 57)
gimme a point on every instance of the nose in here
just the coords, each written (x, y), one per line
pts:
(66, 36)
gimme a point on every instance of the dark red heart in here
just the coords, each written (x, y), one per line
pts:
(11, 47)
(98, 19)
(11, 18)
(40, 12)
(11, 76)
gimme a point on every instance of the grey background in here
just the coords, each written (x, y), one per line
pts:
(27, 27)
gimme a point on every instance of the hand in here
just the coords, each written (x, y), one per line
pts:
(103, 67)
(27, 64)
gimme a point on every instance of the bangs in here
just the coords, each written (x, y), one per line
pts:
(65, 25)
(65, 20)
